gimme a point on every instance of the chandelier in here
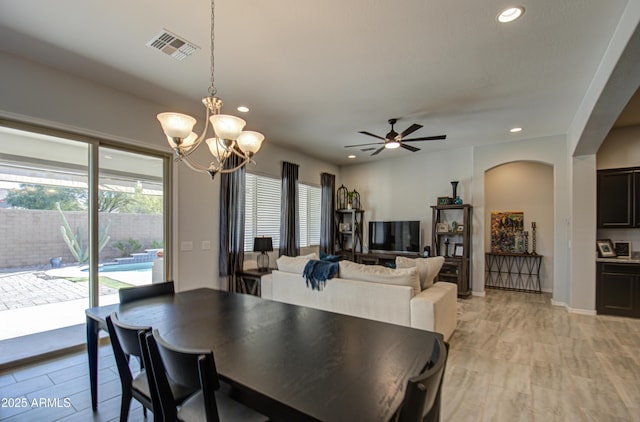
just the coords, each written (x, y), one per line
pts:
(228, 137)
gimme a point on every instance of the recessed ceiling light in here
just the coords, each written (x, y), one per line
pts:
(515, 129)
(351, 156)
(510, 14)
(243, 109)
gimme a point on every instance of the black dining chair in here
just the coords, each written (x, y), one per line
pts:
(194, 369)
(125, 340)
(421, 401)
(125, 343)
(130, 294)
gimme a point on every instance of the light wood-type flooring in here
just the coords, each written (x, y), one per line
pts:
(513, 357)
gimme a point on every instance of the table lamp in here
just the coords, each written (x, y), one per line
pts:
(263, 245)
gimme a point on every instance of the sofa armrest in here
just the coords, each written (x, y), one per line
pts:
(266, 286)
(436, 309)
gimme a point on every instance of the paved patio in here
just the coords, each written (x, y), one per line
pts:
(25, 289)
(33, 301)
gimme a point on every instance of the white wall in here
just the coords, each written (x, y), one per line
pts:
(552, 151)
(404, 188)
(528, 187)
(621, 148)
(42, 95)
(583, 229)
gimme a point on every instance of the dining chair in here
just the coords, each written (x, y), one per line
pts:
(125, 343)
(125, 340)
(422, 397)
(130, 294)
(195, 369)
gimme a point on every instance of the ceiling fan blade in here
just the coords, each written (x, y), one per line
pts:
(378, 151)
(427, 138)
(370, 134)
(409, 147)
(410, 130)
(363, 145)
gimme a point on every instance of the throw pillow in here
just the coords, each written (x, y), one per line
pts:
(428, 268)
(294, 264)
(379, 274)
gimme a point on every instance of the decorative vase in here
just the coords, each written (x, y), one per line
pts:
(454, 186)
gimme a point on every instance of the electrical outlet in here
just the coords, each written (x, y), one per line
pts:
(186, 246)
(206, 245)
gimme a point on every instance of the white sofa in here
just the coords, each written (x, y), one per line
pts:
(396, 296)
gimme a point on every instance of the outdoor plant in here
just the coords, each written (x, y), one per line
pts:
(155, 244)
(75, 241)
(126, 249)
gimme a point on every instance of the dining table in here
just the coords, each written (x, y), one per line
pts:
(289, 362)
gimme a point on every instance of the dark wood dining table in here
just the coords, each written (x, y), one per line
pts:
(289, 362)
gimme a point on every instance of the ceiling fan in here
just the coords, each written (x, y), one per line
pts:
(394, 140)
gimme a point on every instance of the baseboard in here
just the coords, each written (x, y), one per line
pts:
(479, 294)
(32, 348)
(574, 310)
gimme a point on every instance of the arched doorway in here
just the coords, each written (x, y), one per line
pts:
(525, 186)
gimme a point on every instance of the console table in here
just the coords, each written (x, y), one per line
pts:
(513, 271)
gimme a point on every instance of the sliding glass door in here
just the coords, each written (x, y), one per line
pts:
(79, 219)
(131, 220)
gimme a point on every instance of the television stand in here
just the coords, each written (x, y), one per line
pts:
(383, 258)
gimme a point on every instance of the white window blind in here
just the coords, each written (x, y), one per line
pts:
(262, 209)
(309, 198)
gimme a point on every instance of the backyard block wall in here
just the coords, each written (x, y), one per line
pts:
(32, 237)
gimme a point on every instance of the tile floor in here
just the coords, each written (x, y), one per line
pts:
(514, 357)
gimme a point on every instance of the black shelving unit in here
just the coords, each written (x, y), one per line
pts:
(457, 266)
(349, 229)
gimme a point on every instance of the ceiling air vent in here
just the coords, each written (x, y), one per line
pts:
(172, 45)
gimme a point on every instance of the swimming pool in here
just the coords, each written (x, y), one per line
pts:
(138, 266)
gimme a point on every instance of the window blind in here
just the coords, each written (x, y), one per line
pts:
(262, 211)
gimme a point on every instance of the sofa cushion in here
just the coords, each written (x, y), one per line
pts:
(428, 268)
(294, 264)
(379, 274)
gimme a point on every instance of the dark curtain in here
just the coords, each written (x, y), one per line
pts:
(327, 205)
(232, 190)
(289, 218)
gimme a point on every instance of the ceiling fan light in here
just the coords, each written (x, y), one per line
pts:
(392, 145)
(176, 125)
(249, 141)
(227, 126)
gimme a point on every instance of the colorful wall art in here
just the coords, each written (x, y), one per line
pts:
(507, 232)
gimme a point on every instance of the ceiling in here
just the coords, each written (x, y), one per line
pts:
(316, 73)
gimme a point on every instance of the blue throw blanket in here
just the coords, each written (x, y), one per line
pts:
(317, 273)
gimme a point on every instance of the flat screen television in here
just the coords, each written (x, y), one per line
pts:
(394, 236)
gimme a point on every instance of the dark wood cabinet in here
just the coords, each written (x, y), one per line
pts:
(451, 238)
(636, 198)
(384, 259)
(618, 289)
(619, 198)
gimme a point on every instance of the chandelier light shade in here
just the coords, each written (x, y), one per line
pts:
(228, 135)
